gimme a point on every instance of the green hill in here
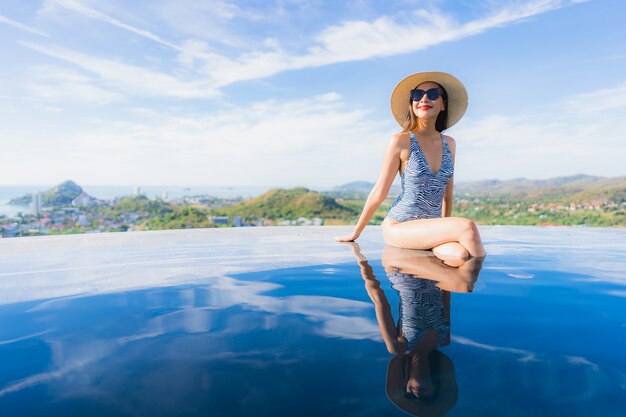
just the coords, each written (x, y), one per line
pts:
(288, 204)
(140, 205)
(61, 195)
(573, 188)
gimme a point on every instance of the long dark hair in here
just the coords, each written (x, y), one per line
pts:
(410, 123)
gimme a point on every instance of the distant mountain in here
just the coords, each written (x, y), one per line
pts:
(361, 186)
(61, 195)
(570, 188)
(279, 203)
(574, 188)
(357, 189)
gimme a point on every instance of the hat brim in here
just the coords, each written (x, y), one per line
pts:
(457, 95)
(396, 387)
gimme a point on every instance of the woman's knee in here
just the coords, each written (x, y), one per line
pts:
(451, 249)
(459, 251)
(468, 229)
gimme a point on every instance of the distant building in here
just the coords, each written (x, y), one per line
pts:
(237, 221)
(218, 219)
(137, 192)
(83, 200)
(36, 203)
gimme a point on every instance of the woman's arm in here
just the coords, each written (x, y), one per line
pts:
(448, 197)
(388, 329)
(391, 165)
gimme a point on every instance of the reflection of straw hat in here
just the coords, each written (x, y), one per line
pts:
(457, 95)
(447, 390)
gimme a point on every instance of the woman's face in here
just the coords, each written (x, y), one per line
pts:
(421, 386)
(419, 383)
(427, 108)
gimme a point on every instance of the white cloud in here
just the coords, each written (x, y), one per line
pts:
(314, 141)
(347, 41)
(21, 26)
(561, 138)
(555, 361)
(360, 40)
(94, 14)
(355, 40)
(597, 101)
(57, 84)
(217, 21)
(579, 360)
(129, 78)
(524, 355)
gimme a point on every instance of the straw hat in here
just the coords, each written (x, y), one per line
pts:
(444, 401)
(457, 95)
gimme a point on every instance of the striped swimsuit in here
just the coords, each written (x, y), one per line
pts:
(422, 190)
(421, 308)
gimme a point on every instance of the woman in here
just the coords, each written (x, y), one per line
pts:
(424, 104)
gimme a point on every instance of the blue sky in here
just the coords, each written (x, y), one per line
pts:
(286, 92)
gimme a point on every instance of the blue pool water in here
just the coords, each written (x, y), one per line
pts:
(537, 329)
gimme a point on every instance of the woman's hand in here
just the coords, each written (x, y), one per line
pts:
(356, 251)
(347, 238)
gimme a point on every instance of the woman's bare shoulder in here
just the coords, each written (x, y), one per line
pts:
(400, 135)
(401, 139)
(450, 141)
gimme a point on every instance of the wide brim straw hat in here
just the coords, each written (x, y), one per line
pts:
(457, 95)
(396, 387)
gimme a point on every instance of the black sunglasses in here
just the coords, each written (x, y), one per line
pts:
(433, 94)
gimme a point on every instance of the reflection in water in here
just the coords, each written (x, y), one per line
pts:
(420, 379)
(306, 341)
(221, 309)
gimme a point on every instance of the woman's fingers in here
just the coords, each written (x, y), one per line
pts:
(347, 238)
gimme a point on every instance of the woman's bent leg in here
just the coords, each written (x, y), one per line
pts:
(425, 234)
(451, 251)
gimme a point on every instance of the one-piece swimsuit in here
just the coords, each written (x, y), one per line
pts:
(422, 191)
(421, 308)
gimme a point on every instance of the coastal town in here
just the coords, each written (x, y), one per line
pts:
(67, 209)
(584, 213)
(87, 214)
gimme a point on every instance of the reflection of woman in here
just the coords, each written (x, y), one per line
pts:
(460, 278)
(423, 325)
(420, 379)
(424, 104)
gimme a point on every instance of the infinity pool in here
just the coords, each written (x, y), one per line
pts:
(285, 321)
